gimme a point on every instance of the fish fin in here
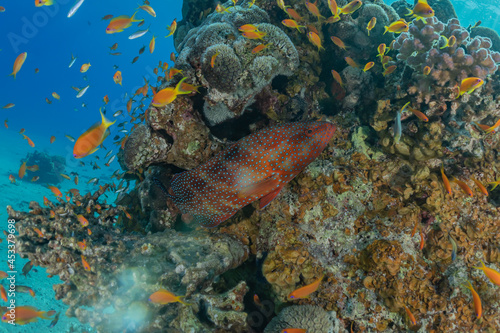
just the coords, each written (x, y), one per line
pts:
(260, 188)
(265, 200)
(386, 29)
(212, 222)
(161, 186)
(106, 122)
(410, 12)
(182, 302)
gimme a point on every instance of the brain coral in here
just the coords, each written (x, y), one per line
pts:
(312, 318)
(237, 74)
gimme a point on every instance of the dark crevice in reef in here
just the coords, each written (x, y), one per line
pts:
(237, 128)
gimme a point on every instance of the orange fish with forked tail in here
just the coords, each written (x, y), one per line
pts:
(118, 24)
(305, 291)
(18, 63)
(26, 314)
(168, 95)
(90, 141)
(163, 296)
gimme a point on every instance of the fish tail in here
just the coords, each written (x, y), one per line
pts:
(410, 12)
(181, 301)
(105, 121)
(178, 89)
(368, 33)
(132, 19)
(44, 315)
(386, 29)
(480, 268)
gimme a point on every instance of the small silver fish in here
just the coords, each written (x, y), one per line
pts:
(118, 113)
(75, 7)
(454, 247)
(82, 91)
(109, 153)
(138, 34)
(397, 124)
(70, 138)
(111, 160)
(73, 59)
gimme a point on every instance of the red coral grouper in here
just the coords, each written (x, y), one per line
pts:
(256, 167)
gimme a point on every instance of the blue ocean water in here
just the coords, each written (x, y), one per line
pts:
(50, 39)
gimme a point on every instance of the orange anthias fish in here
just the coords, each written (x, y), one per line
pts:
(337, 41)
(371, 24)
(168, 95)
(315, 39)
(334, 8)
(120, 23)
(30, 142)
(40, 3)
(254, 34)
(3, 293)
(171, 28)
(337, 78)
(421, 11)
(446, 182)
(397, 27)
(55, 190)
(118, 78)
(489, 129)
(256, 167)
(22, 170)
(259, 48)
(351, 62)
(481, 187)
(85, 264)
(292, 24)
(25, 315)
(293, 330)
(152, 44)
(477, 301)
(313, 9)
(420, 115)
(90, 141)
(368, 66)
(83, 221)
(52, 139)
(163, 296)
(85, 67)
(491, 274)
(469, 84)
(351, 7)
(305, 291)
(465, 188)
(410, 315)
(18, 63)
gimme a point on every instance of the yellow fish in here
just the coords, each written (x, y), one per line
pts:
(371, 24)
(469, 84)
(397, 27)
(421, 11)
(120, 23)
(168, 95)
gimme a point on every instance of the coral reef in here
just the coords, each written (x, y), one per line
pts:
(237, 74)
(311, 318)
(488, 33)
(50, 167)
(180, 263)
(420, 47)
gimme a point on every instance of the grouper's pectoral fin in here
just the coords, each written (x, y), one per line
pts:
(260, 188)
(265, 200)
(213, 221)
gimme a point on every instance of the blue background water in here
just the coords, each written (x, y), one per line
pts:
(50, 38)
